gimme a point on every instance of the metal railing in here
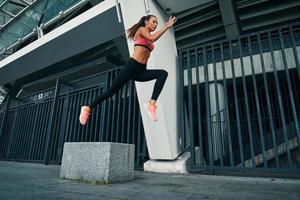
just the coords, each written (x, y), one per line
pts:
(242, 100)
(37, 131)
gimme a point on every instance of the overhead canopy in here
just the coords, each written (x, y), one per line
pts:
(68, 40)
(18, 18)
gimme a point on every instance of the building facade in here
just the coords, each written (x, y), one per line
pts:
(231, 101)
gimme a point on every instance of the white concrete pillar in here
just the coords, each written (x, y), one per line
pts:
(163, 136)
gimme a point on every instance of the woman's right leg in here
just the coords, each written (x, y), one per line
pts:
(122, 77)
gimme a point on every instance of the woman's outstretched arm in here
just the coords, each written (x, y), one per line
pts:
(153, 37)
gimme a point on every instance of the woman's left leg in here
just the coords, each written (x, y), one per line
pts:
(148, 75)
(160, 76)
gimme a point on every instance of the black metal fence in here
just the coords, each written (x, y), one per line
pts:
(242, 97)
(36, 131)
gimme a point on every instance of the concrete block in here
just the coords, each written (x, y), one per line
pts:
(103, 162)
(181, 165)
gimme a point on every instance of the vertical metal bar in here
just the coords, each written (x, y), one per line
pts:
(17, 139)
(20, 133)
(109, 116)
(62, 132)
(134, 114)
(298, 73)
(248, 111)
(218, 129)
(37, 132)
(98, 118)
(181, 100)
(53, 139)
(289, 85)
(44, 130)
(79, 128)
(34, 129)
(106, 109)
(108, 127)
(67, 121)
(26, 132)
(258, 109)
(295, 53)
(190, 103)
(236, 107)
(108, 122)
(144, 146)
(5, 113)
(138, 145)
(118, 124)
(12, 134)
(21, 141)
(73, 111)
(123, 114)
(92, 134)
(90, 127)
(208, 113)
(30, 131)
(74, 130)
(102, 122)
(198, 107)
(129, 113)
(58, 120)
(105, 121)
(85, 131)
(6, 134)
(41, 129)
(114, 114)
(279, 96)
(266, 87)
(51, 123)
(227, 122)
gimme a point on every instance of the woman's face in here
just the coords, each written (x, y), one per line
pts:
(152, 23)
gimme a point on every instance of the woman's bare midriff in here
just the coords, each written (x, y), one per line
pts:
(141, 54)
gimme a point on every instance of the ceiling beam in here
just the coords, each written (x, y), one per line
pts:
(230, 19)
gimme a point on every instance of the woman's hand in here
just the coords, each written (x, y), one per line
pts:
(171, 21)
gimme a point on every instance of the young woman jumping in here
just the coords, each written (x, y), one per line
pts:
(136, 67)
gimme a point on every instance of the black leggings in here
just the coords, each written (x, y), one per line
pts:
(138, 72)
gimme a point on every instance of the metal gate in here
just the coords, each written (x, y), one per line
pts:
(242, 99)
(37, 131)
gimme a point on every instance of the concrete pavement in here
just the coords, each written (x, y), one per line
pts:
(27, 181)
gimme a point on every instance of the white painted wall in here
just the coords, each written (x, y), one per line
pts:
(290, 57)
(163, 136)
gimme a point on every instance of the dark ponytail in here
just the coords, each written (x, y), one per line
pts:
(132, 30)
